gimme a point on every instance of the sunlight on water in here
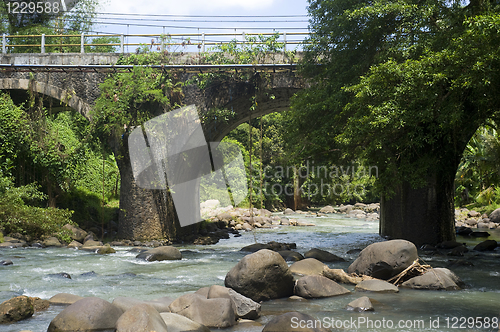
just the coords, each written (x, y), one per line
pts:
(35, 273)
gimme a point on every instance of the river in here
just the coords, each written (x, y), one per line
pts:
(121, 274)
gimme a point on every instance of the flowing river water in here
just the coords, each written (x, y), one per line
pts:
(121, 274)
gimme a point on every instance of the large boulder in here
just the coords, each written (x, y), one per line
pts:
(435, 279)
(263, 275)
(52, 242)
(218, 312)
(488, 245)
(76, 233)
(141, 318)
(288, 211)
(384, 260)
(376, 286)
(323, 256)
(495, 216)
(244, 307)
(161, 254)
(179, 323)
(317, 287)
(308, 267)
(293, 321)
(88, 314)
(125, 303)
(16, 309)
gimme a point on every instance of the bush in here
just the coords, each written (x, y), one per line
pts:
(36, 222)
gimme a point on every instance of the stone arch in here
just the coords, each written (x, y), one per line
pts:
(68, 97)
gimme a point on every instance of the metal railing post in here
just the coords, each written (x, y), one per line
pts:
(43, 43)
(203, 42)
(122, 44)
(284, 38)
(82, 43)
(4, 44)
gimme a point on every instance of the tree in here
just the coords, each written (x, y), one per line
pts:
(405, 85)
(63, 27)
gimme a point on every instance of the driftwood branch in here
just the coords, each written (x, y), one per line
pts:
(341, 276)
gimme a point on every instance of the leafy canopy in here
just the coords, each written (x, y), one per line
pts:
(404, 84)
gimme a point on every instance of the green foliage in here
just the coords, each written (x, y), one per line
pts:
(478, 175)
(255, 49)
(124, 96)
(53, 148)
(401, 85)
(63, 33)
(12, 134)
(17, 217)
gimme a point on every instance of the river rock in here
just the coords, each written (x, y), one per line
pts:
(291, 256)
(60, 275)
(254, 247)
(263, 275)
(64, 299)
(449, 245)
(244, 307)
(52, 242)
(307, 267)
(495, 216)
(179, 323)
(323, 256)
(40, 304)
(288, 211)
(6, 262)
(290, 321)
(87, 314)
(91, 243)
(75, 244)
(141, 318)
(376, 286)
(104, 250)
(361, 304)
(438, 278)
(310, 287)
(218, 312)
(16, 309)
(76, 233)
(384, 260)
(488, 245)
(327, 209)
(125, 303)
(161, 254)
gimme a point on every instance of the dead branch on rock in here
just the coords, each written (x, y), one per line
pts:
(414, 270)
(341, 276)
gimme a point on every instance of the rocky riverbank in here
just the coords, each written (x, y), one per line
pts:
(262, 275)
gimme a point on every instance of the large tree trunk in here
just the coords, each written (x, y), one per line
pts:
(424, 215)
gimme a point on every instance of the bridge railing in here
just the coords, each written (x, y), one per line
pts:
(122, 43)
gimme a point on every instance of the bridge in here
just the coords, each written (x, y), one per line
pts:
(74, 78)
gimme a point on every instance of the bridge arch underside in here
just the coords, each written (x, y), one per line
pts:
(63, 96)
(238, 97)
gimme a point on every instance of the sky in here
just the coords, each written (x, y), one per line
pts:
(198, 16)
